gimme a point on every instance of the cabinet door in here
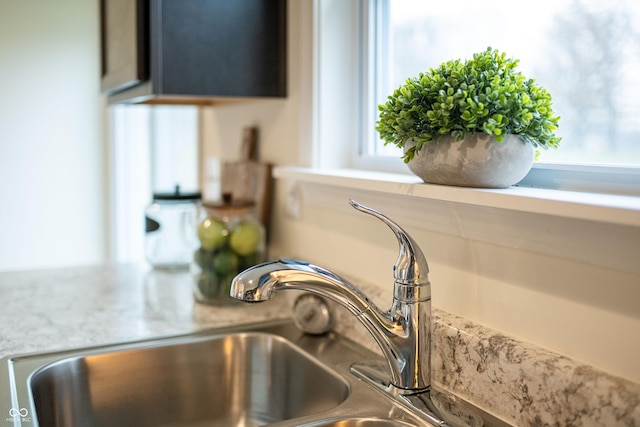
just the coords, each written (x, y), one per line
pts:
(125, 41)
(219, 47)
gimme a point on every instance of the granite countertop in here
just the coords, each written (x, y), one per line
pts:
(86, 306)
(515, 380)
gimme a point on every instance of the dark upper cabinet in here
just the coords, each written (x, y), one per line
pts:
(193, 51)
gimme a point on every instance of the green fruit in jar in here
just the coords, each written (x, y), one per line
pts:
(208, 285)
(225, 262)
(245, 238)
(249, 260)
(226, 283)
(203, 258)
(213, 234)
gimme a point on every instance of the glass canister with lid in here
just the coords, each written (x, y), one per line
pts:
(170, 237)
(231, 240)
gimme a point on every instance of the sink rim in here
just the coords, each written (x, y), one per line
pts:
(377, 422)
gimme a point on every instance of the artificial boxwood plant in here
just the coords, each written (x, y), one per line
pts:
(483, 94)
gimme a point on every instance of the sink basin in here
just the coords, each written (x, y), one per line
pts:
(245, 379)
(251, 375)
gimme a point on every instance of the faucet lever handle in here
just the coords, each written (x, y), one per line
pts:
(411, 266)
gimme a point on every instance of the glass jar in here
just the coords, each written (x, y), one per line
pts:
(231, 240)
(170, 236)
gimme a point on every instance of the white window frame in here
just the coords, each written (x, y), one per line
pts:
(578, 229)
(620, 180)
(329, 82)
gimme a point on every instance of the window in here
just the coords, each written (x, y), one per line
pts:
(153, 149)
(586, 53)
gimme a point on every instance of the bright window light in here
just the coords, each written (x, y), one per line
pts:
(586, 53)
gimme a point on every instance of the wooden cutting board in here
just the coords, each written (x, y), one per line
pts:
(249, 179)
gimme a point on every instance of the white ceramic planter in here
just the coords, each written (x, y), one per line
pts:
(476, 161)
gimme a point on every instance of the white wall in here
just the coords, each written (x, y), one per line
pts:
(588, 311)
(52, 156)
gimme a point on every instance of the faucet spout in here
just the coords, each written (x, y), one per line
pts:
(403, 332)
(261, 282)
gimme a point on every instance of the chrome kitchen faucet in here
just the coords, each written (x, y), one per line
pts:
(403, 332)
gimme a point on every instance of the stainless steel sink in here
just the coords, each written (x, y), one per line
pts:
(269, 374)
(239, 379)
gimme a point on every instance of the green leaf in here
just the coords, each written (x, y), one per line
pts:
(483, 94)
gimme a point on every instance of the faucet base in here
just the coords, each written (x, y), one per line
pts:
(375, 372)
(439, 408)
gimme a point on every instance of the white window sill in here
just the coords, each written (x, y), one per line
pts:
(612, 209)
